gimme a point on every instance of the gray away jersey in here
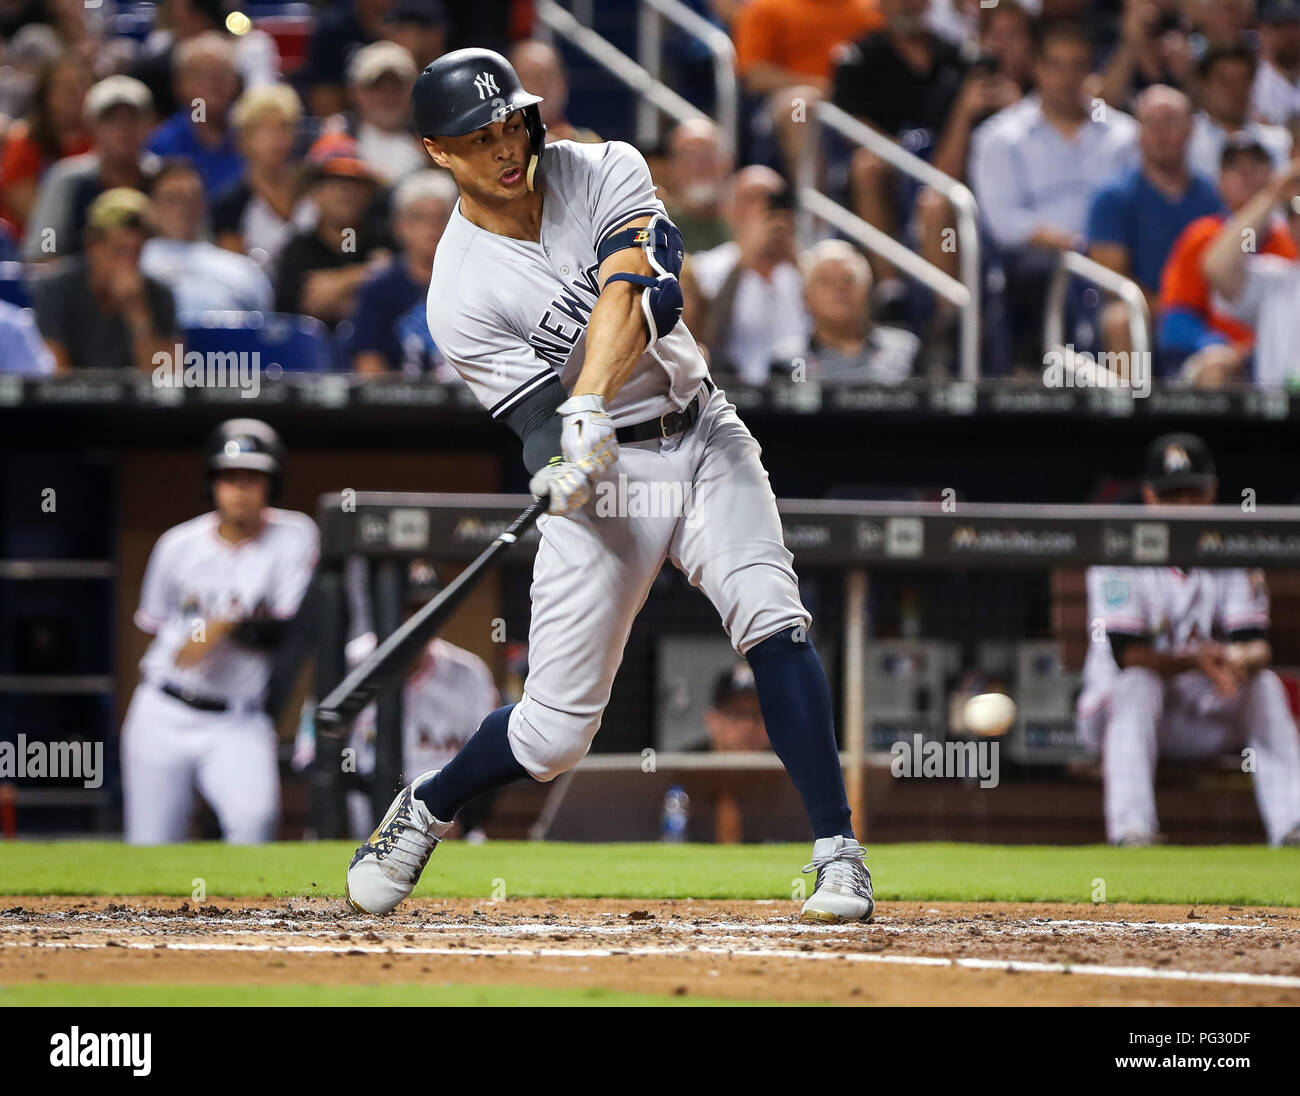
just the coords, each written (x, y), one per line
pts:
(511, 315)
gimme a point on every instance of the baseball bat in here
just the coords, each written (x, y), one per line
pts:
(390, 660)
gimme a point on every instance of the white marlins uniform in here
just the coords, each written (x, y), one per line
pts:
(511, 315)
(169, 746)
(447, 695)
(1134, 716)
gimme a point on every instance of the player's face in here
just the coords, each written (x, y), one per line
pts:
(490, 164)
(736, 725)
(1180, 496)
(241, 495)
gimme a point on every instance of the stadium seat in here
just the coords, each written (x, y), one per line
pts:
(291, 26)
(297, 344)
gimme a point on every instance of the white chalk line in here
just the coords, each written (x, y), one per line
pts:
(1020, 966)
(233, 925)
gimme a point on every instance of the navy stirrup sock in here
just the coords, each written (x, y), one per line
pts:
(796, 703)
(483, 764)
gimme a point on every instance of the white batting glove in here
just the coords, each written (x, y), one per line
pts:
(564, 484)
(588, 436)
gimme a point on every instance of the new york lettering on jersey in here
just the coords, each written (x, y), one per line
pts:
(511, 315)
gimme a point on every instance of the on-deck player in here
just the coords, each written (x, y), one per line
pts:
(555, 296)
(1180, 668)
(217, 594)
(445, 697)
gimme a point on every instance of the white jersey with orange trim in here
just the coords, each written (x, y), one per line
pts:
(1172, 609)
(1137, 717)
(204, 727)
(194, 574)
(447, 695)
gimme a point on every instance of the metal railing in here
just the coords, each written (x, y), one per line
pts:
(963, 293)
(650, 21)
(554, 20)
(1126, 289)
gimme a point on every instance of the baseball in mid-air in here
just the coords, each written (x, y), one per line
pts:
(989, 714)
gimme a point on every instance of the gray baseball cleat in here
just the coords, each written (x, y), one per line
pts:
(387, 866)
(843, 890)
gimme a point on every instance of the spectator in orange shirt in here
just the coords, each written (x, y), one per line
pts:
(1189, 322)
(55, 128)
(783, 53)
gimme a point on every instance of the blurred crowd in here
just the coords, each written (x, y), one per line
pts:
(164, 168)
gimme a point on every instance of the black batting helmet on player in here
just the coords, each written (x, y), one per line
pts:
(249, 444)
(468, 89)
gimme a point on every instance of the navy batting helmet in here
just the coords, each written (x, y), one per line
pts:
(468, 89)
(246, 443)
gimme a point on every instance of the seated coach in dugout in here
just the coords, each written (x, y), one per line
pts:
(99, 310)
(734, 721)
(1178, 667)
(734, 724)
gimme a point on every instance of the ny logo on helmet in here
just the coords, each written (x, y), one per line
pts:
(486, 83)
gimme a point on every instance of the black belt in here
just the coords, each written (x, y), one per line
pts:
(667, 425)
(195, 700)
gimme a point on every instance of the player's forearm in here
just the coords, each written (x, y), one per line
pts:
(1166, 665)
(1252, 656)
(616, 339)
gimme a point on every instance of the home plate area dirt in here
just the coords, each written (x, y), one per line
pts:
(914, 953)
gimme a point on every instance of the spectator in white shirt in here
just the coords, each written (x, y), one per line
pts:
(1036, 166)
(745, 298)
(1227, 76)
(202, 276)
(1262, 291)
(1275, 97)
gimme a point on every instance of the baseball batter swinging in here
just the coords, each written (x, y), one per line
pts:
(555, 296)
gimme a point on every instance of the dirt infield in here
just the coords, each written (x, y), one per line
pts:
(914, 953)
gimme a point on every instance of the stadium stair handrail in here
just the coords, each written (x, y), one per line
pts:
(650, 20)
(555, 20)
(1074, 264)
(963, 293)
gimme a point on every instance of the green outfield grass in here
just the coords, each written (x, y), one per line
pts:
(397, 994)
(1236, 875)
